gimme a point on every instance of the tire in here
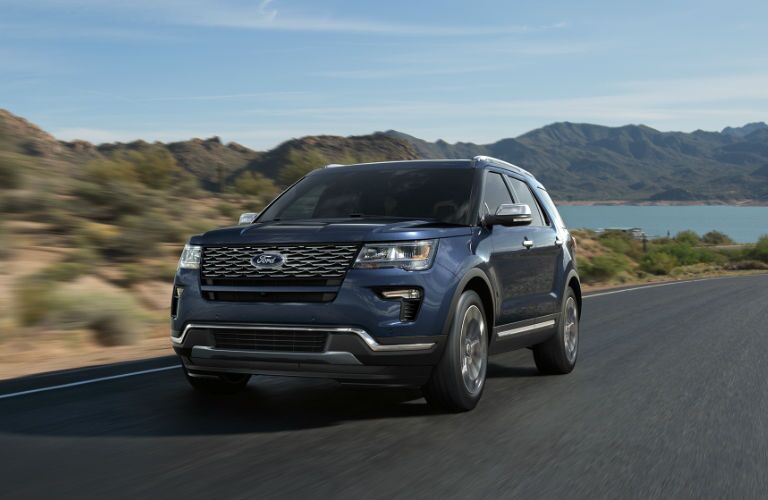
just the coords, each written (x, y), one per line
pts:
(557, 356)
(223, 383)
(458, 380)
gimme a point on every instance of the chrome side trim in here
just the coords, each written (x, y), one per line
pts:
(375, 346)
(527, 328)
(328, 357)
(370, 341)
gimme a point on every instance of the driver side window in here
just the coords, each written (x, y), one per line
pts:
(495, 193)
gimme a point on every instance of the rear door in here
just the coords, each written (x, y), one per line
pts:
(509, 261)
(544, 254)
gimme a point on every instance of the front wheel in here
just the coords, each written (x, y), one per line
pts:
(558, 354)
(220, 383)
(458, 380)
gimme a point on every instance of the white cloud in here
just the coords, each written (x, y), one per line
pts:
(264, 15)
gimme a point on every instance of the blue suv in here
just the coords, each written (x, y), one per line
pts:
(397, 273)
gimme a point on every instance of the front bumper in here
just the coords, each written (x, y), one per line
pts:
(367, 328)
(350, 355)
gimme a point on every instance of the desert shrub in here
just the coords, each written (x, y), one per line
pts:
(133, 272)
(760, 250)
(716, 238)
(186, 185)
(5, 247)
(155, 167)
(747, 265)
(621, 243)
(658, 262)
(104, 171)
(686, 254)
(603, 267)
(255, 184)
(109, 201)
(11, 176)
(34, 298)
(30, 204)
(136, 239)
(694, 269)
(688, 238)
(114, 317)
(65, 271)
(228, 210)
(299, 164)
(36, 293)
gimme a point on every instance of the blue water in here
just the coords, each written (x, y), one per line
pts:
(742, 224)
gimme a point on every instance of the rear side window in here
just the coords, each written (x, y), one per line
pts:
(551, 208)
(523, 195)
(495, 193)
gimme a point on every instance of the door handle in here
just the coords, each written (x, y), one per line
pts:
(527, 243)
(558, 241)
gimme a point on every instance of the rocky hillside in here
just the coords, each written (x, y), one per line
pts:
(634, 162)
(576, 161)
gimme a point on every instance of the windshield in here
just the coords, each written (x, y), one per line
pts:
(435, 193)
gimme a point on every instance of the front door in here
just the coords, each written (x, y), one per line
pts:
(511, 263)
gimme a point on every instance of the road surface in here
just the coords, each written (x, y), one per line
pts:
(669, 399)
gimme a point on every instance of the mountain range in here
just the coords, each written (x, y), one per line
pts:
(576, 161)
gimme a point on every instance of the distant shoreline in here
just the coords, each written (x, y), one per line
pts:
(663, 203)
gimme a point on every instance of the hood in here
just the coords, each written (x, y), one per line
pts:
(330, 231)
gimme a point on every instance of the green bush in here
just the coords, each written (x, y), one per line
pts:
(228, 210)
(688, 237)
(621, 243)
(155, 167)
(658, 262)
(5, 247)
(11, 176)
(300, 163)
(34, 298)
(114, 317)
(716, 238)
(603, 267)
(109, 201)
(255, 184)
(760, 250)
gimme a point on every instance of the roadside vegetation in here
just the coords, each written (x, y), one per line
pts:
(90, 237)
(615, 257)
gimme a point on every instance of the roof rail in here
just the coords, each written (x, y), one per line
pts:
(488, 160)
(334, 165)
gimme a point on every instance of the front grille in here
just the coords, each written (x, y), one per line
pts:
(271, 340)
(301, 262)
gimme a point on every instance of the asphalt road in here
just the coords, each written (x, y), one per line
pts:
(669, 399)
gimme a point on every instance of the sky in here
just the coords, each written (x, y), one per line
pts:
(261, 72)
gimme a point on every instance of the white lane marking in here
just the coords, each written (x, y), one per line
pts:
(89, 381)
(600, 294)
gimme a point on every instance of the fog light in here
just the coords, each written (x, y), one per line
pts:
(404, 293)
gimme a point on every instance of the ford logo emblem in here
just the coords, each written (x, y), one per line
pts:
(267, 260)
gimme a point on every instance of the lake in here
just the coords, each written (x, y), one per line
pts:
(742, 224)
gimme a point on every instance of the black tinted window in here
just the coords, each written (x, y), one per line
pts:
(437, 193)
(523, 195)
(495, 193)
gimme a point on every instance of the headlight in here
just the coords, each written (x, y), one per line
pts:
(190, 257)
(408, 255)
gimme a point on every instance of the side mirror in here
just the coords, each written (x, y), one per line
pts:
(509, 214)
(247, 218)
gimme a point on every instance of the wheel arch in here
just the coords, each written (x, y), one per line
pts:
(573, 281)
(477, 281)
